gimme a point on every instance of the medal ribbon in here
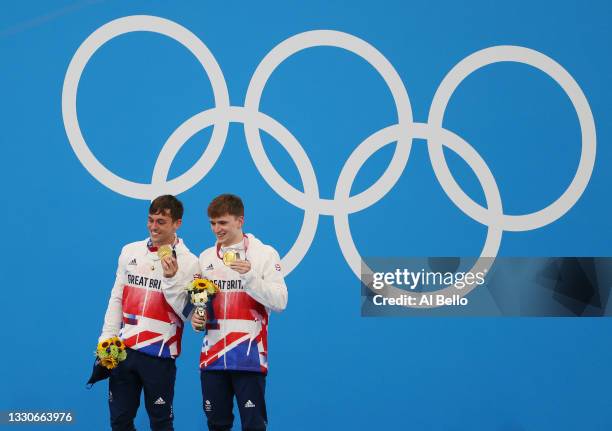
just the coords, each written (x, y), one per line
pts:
(154, 248)
(245, 243)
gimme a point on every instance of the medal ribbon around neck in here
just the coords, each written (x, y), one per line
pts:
(162, 250)
(229, 256)
(154, 248)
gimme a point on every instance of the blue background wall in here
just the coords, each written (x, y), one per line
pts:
(330, 368)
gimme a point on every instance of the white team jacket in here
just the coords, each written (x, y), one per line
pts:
(146, 310)
(236, 336)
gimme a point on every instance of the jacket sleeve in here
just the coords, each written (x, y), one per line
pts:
(174, 290)
(268, 286)
(114, 311)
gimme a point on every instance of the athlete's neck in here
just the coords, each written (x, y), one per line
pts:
(233, 240)
(170, 241)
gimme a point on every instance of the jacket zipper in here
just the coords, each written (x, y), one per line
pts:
(225, 331)
(144, 305)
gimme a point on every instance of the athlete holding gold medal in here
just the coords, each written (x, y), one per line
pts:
(146, 310)
(230, 256)
(234, 356)
(165, 250)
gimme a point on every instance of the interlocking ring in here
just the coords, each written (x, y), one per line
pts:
(342, 204)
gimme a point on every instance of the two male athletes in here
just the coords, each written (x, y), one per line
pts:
(149, 304)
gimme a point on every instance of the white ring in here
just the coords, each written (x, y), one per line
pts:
(547, 65)
(239, 114)
(69, 110)
(459, 146)
(366, 51)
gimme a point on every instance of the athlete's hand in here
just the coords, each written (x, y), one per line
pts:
(241, 266)
(170, 266)
(197, 321)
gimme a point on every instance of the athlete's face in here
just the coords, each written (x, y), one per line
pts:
(227, 229)
(162, 228)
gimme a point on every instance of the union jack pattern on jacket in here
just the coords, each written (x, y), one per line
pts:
(147, 310)
(236, 336)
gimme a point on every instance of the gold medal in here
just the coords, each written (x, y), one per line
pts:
(228, 257)
(163, 251)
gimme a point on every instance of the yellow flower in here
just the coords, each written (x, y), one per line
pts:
(202, 284)
(199, 284)
(109, 362)
(103, 345)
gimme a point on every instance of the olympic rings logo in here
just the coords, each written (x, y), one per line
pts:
(342, 204)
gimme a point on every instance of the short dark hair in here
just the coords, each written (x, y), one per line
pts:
(226, 204)
(168, 203)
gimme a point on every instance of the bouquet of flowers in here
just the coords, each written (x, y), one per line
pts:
(110, 352)
(200, 291)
